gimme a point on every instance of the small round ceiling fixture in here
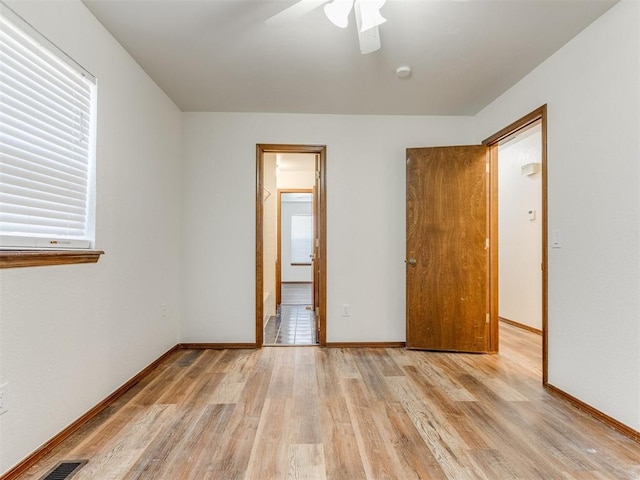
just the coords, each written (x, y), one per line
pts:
(403, 72)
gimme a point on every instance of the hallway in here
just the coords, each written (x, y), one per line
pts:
(294, 322)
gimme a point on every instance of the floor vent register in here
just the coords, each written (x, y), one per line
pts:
(64, 470)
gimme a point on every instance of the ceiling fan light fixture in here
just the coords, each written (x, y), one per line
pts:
(370, 16)
(338, 12)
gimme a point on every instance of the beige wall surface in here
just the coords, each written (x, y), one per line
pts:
(87, 329)
(520, 236)
(365, 217)
(591, 89)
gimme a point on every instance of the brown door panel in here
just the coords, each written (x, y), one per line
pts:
(446, 278)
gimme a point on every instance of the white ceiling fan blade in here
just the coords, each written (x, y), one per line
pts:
(296, 10)
(369, 40)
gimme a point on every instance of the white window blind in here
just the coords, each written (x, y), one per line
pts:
(301, 238)
(47, 110)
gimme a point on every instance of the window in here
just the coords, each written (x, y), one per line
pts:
(301, 239)
(47, 142)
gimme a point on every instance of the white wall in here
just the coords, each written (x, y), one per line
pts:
(592, 88)
(365, 215)
(299, 179)
(520, 237)
(269, 238)
(292, 273)
(72, 334)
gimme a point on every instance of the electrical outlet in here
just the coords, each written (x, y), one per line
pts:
(3, 398)
(346, 310)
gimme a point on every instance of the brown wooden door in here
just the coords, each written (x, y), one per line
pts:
(447, 255)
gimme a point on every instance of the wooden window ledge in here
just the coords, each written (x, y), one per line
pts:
(39, 258)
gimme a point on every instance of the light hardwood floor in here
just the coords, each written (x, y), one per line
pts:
(347, 414)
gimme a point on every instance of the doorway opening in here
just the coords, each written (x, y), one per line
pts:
(518, 227)
(290, 245)
(453, 267)
(293, 321)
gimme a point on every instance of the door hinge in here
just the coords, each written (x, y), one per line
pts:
(317, 312)
(486, 244)
(487, 167)
(488, 318)
(317, 175)
(317, 243)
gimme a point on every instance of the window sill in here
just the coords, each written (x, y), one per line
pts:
(39, 258)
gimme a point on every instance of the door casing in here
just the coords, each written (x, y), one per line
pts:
(321, 259)
(538, 115)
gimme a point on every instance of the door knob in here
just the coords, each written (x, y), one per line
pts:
(412, 262)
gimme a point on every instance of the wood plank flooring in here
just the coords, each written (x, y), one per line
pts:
(347, 414)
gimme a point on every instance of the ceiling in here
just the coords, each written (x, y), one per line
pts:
(220, 56)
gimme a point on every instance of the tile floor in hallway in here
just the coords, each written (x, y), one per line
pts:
(293, 325)
(294, 322)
